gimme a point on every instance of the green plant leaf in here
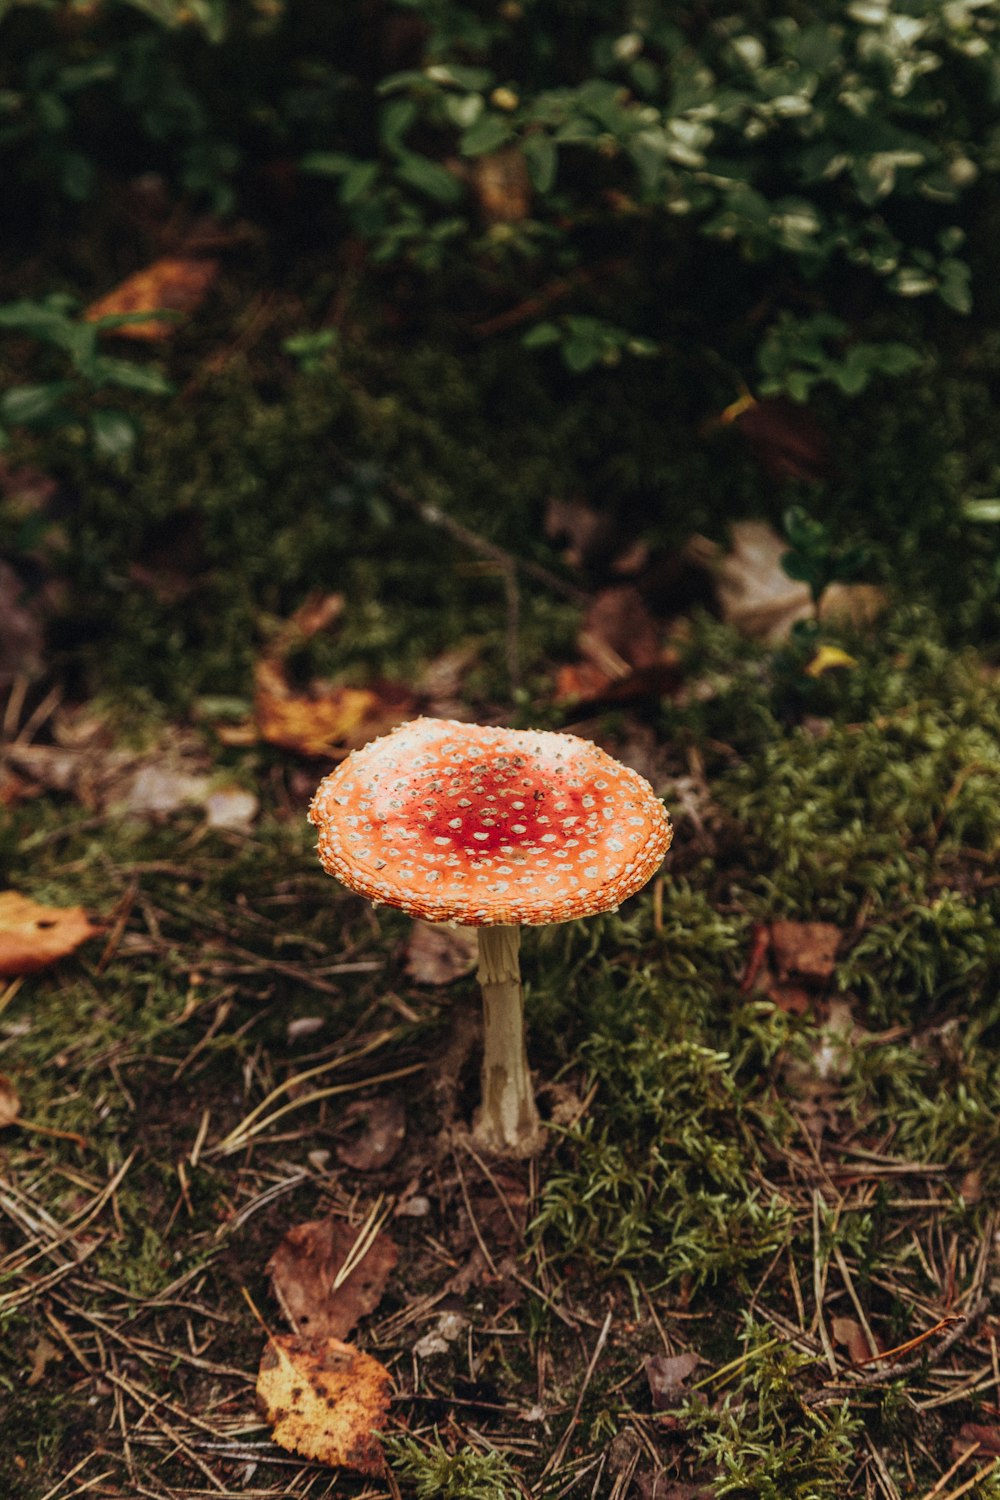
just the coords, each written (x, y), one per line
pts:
(581, 354)
(955, 285)
(542, 156)
(802, 568)
(981, 510)
(110, 370)
(542, 336)
(429, 178)
(24, 405)
(397, 117)
(326, 163)
(42, 319)
(361, 176)
(113, 433)
(850, 561)
(489, 132)
(804, 532)
(896, 358)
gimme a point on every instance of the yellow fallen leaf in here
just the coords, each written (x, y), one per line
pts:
(174, 284)
(311, 725)
(828, 659)
(324, 1400)
(33, 936)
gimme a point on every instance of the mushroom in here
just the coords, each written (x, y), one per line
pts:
(491, 828)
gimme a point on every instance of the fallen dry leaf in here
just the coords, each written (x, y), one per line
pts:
(318, 612)
(231, 808)
(158, 790)
(14, 788)
(326, 720)
(33, 936)
(581, 682)
(305, 1267)
(325, 1400)
(806, 949)
(623, 659)
(43, 1354)
(849, 1333)
(10, 1103)
(441, 680)
(971, 1186)
(757, 596)
(986, 1440)
(439, 954)
(502, 185)
(760, 942)
(667, 1375)
(784, 437)
(174, 284)
(791, 998)
(384, 1132)
(310, 724)
(585, 687)
(619, 632)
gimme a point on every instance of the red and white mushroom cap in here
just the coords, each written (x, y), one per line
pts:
(465, 823)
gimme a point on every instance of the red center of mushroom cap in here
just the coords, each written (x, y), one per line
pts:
(461, 822)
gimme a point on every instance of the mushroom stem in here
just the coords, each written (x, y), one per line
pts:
(507, 1121)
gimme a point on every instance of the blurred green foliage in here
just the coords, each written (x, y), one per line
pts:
(825, 152)
(79, 368)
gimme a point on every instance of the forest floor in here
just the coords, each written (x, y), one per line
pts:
(757, 1254)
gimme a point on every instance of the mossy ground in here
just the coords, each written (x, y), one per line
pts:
(754, 1179)
(724, 1176)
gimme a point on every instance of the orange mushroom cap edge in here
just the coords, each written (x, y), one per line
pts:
(455, 822)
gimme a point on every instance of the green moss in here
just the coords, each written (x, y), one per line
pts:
(867, 812)
(762, 1440)
(438, 1474)
(656, 1180)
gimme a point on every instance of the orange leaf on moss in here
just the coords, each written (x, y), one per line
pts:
(33, 936)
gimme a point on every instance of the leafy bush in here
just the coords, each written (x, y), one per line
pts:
(825, 156)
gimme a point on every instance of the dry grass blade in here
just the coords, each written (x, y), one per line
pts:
(726, 1372)
(367, 1235)
(234, 1139)
(970, 1484)
(960, 1461)
(237, 1142)
(819, 1285)
(50, 1494)
(560, 1451)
